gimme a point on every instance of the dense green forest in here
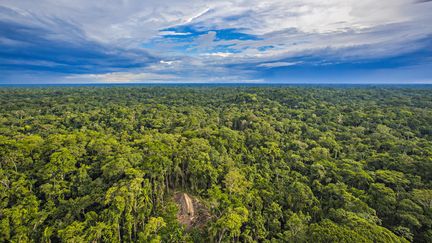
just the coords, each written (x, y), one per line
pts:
(264, 164)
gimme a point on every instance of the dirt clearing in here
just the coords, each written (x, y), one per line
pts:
(192, 213)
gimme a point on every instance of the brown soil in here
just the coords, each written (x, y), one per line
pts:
(192, 213)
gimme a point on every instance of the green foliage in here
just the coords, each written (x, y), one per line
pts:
(268, 164)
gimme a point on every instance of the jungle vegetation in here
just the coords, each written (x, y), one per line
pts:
(270, 164)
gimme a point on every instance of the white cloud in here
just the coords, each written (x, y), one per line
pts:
(350, 29)
(122, 77)
(137, 20)
(168, 62)
(126, 77)
(196, 17)
(218, 54)
(173, 33)
(278, 64)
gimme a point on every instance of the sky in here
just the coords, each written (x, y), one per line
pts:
(191, 41)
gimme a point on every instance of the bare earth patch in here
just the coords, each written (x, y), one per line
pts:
(192, 212)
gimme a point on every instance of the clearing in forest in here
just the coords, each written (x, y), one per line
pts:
(192, 212)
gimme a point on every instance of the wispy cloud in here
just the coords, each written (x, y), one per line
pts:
(193, 40)
(122, 77)
(278, 64)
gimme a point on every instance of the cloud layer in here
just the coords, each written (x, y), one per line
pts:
(214, 41)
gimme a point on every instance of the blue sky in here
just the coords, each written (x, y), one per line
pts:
(130, 41)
